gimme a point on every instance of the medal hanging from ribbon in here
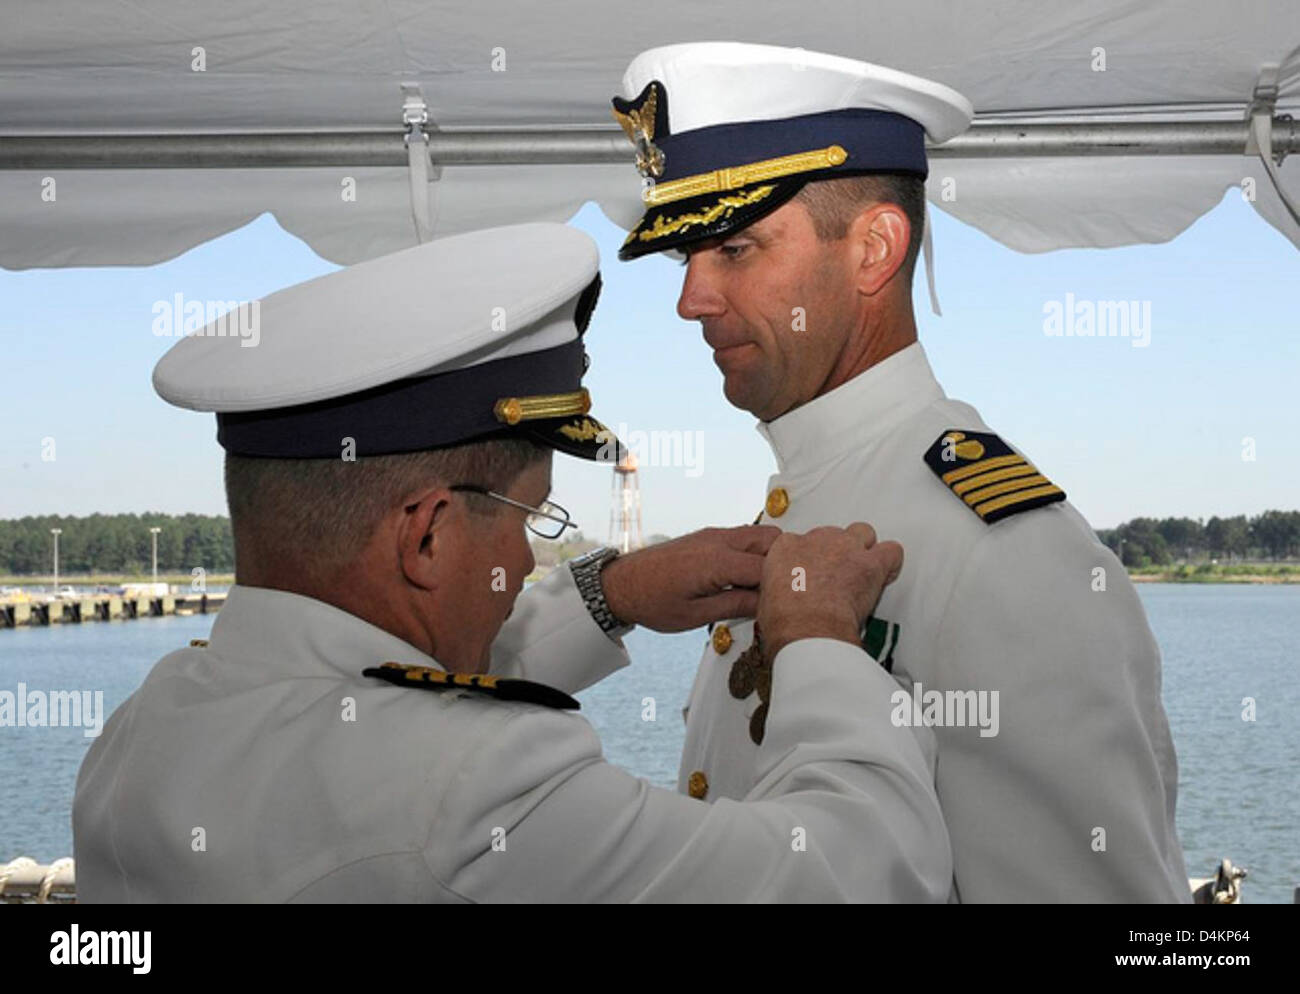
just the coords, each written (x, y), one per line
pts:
(751, 672)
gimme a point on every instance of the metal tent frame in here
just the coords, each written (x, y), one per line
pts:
(585, 146)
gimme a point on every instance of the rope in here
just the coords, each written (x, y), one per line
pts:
(24, 881)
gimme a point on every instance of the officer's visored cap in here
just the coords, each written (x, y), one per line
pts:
(462, 338)
(728, 132)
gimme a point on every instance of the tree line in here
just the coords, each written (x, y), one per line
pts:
(121, 543)
(117, 543)
(1158, 542)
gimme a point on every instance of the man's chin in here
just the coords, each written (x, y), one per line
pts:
(740, 393)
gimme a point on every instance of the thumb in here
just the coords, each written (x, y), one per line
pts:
(891, 553)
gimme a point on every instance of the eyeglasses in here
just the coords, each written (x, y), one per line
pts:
(548, 521)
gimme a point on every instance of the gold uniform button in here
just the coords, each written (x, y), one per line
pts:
(777, 502)
(698, 785)
(721, 639)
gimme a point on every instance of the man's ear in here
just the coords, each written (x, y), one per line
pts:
(883, 232)
(423, 533)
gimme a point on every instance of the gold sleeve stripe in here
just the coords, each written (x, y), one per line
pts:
(998, 475)
(1009, 499)
(984, 493)
(997, 462)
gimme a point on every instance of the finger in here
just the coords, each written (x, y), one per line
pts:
(890, 556)
(863, 532)
(728, 604)
(752, 538)
(738, 569)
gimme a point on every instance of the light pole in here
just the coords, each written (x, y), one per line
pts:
(154, 532)
(56, 532)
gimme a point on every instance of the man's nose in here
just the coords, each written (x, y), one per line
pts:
(699, 298)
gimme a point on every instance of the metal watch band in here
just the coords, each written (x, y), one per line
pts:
(586, 574)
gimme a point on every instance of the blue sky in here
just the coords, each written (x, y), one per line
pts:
(1126, 431)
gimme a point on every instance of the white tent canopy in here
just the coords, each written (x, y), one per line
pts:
(95, 73)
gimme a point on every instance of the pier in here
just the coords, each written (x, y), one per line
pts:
(103, 607)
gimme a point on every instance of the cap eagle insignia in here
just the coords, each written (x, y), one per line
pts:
(638, 123)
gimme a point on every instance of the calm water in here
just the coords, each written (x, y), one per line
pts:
(1239, 794)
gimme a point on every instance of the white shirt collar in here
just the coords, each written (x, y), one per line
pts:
(864, 408)
(303, 635)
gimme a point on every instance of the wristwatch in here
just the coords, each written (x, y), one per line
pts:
(586, 574)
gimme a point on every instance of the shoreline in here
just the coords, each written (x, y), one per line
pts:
(1276, 576)
(111, 579)
(1252, 578)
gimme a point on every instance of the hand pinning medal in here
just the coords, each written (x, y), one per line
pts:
(751, 673)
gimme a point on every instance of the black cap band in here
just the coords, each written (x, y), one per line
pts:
(408, 415)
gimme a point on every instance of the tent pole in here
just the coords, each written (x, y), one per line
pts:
(587, 146)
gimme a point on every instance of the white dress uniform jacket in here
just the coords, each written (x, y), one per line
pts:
(1073, 798)
(264, 767)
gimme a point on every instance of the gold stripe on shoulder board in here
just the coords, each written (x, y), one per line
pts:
(990, 477)
(980, 467)
(502, 688)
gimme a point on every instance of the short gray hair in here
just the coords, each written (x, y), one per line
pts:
(833, 204)
(318, 514)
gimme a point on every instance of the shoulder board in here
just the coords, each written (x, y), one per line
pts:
(991, 479)
(428, 678)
